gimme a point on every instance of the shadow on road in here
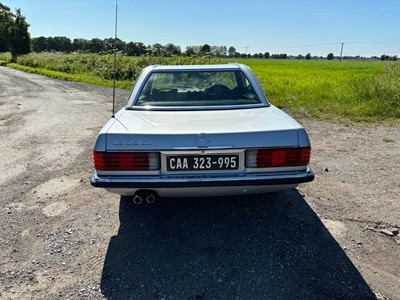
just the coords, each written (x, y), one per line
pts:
(270, 246)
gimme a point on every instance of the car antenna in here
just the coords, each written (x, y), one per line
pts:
(115, 56)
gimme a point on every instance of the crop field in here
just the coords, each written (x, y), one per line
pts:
(357, 90)
(329, 90)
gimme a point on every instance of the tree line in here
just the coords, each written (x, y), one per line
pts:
(102, 46)
(14, 34)
(96, 45)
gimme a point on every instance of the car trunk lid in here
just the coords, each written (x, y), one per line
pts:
(208, 129)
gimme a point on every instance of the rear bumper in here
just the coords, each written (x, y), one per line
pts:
(128, 185)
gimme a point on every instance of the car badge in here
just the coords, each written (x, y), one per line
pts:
(131, 143)
(203, 140)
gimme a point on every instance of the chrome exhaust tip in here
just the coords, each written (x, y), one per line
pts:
(137, 199)
(151, 198)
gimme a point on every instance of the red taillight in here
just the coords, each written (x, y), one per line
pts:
(278, 157)
(126, 161)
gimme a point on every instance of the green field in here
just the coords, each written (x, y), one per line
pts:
(357, 90)
(329, 90)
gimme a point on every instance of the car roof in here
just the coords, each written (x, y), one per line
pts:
(216, 67)
(146, 73)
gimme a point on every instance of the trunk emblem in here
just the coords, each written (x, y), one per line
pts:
(131, 143)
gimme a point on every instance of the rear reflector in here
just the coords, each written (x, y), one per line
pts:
(126, 161)
(278, 157)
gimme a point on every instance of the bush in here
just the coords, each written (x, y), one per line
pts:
(5, 57)
(102, 65)
(380, 95)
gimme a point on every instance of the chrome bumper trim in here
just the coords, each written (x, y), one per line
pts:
(153, 182)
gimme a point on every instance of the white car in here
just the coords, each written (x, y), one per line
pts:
(205, 130)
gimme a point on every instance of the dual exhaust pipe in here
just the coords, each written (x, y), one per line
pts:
(148, 196)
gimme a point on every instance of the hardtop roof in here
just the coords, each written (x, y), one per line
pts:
(216, 67)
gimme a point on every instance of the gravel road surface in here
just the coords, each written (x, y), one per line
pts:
(334, 238)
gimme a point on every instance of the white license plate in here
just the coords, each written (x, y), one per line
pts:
(217, 162)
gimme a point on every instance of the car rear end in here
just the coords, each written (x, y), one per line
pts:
(212, 163)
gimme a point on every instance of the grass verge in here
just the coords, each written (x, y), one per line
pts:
(85, 78)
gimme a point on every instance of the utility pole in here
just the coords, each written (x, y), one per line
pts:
(341, 52)
(246, 51)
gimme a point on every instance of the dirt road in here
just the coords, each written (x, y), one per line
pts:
(61, 238)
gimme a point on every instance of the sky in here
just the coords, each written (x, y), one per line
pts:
(319, 27)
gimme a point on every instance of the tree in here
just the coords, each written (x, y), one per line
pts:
(196, 49)
(308, 56)
(110, 43)
(20, 37)
(14, 34)
(384, 57)
(60, 43)
(80, 45)
(170, 49)
(39, 44)
(135, 49)
(205, 49)
(156, 49)
(6, 24)
(190, 51)
(267, 55)
(330, 56)
(231, 51)
(279, 56)
(96, 45)
(218, 51)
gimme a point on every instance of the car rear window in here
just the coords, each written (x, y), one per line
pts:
(197, 88)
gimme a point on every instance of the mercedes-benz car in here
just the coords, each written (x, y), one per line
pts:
(205, 130)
